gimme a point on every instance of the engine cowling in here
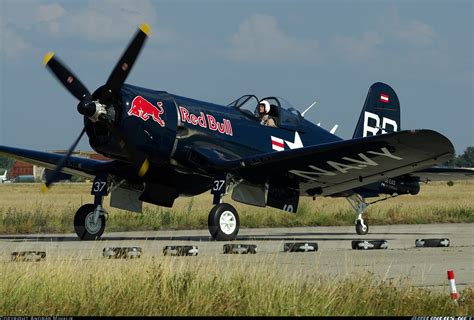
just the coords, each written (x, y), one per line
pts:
(148, 118)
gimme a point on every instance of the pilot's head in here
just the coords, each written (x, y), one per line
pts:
(263, 107)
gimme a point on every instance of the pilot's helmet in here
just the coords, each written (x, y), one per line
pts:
(266, 105)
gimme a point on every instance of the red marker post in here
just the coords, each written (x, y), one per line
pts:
(452, 286)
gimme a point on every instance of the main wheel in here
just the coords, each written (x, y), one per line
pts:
(362, 229)
(223, 222)
(84, 224)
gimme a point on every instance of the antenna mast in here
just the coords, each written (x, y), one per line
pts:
(307, 109)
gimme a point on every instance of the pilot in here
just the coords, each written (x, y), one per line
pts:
(263, 113)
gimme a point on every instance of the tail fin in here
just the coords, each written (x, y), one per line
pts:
(381, 112)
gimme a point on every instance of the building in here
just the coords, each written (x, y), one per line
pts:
(20, 168)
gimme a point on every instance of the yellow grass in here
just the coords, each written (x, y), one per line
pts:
(173, 286)
(24, 209)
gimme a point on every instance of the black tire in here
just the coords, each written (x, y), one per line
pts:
(83, 228)
(427, 243)
(360, 229)
(240, 249)
(300, 247)
(369, 244)
(228, 213)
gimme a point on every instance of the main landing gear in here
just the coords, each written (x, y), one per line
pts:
(359, 205)
(89, 220)
(223, 220)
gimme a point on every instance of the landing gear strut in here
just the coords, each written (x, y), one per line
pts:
(89, 221)
(359, 205)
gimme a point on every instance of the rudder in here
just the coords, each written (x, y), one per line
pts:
(381, 112)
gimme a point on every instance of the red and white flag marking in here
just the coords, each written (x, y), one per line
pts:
(384, 97)
(278, 144)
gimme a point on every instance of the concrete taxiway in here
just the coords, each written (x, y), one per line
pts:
(422, 267)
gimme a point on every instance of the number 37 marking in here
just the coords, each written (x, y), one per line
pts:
(99, 186)
(218, 184)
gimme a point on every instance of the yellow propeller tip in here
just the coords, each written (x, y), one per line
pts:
(144, 168)
(145, 27)
(48, 57)
(44, 188)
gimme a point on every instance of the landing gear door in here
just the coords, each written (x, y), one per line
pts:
(100, 185)
(219, 187)
(283, 194)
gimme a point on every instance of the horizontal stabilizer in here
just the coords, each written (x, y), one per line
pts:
(444, 174)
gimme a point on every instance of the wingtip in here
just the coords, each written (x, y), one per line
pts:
(47, 57)
(145, 27)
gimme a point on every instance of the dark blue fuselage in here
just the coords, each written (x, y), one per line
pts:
(169, 128)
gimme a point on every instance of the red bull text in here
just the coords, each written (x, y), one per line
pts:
(206, 121)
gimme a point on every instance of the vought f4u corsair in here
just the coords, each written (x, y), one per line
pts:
(262, 151)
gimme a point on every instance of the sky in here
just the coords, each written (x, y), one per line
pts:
(216, 51)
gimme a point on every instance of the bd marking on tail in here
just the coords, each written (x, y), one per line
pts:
(351, 164)
(376, 127)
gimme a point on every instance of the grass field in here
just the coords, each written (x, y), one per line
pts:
(24, 209)
(173, 286)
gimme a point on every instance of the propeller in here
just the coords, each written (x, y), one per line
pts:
(66, 77)
(53, 176)
(124, 65)
(97, 110)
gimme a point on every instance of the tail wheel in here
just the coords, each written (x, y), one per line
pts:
(85, 226)
(223, 222)
(362, 228)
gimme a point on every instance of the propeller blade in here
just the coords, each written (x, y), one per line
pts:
(125, 64)
(66, 77)
(53, 176)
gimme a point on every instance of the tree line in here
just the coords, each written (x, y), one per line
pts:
(6, 163)
(463, 160)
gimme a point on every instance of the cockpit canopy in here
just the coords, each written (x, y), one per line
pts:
(285, 115)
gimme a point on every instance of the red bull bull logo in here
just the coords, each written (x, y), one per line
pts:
(143, 109)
